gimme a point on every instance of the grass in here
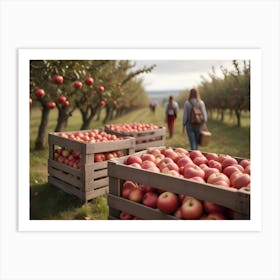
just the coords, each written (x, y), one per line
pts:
(48, 202)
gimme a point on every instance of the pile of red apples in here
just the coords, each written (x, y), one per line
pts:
(205, 168)
(132, 127)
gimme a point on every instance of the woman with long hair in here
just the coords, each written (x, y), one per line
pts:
(193, 131)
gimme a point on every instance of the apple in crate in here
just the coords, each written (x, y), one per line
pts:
(193, 171)
(136, 195)
(218, 179)
(168, 202)
(240, 180)
(128, 186)
(133, 159)
(244, 163)
(192, 208)
(215, 164)
(150, 199)
(228, 162)
(195, 153)
(210, 207)
(213, 156)
(149, 157)
(126, 216)
(214, 216)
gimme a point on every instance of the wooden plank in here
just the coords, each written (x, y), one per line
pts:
(228, 197)
(144, 146)
(95, 193)
(68, 178)
(63, 167)
(114, 189)
(66, 143)
(66, 187)
(137, 209)
(96, 184)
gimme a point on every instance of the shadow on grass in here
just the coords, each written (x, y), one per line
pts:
(47, 202)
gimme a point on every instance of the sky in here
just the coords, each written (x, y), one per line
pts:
(179, 74)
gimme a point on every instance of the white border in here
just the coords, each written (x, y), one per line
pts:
(25, 55)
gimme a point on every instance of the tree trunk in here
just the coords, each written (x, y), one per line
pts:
(98, 114)
(107, 116)
(40, 141)
(61, 120)
(87, 118)
(222, 115)
(238, 116)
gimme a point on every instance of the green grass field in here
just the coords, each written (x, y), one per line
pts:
(48, 202)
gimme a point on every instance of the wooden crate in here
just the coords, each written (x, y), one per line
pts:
(145, 139)
(237, 200)
(91, 179)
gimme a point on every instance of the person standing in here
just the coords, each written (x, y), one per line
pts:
(193, 132)
(171, 112)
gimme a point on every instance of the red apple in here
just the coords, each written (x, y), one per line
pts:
(193, 171)
(229, 161)
(244, 163)
(191, 209)
(89, 81)
(126, 216)
(195, 153)
(213, 156)
(50, 104)
(230, 169)
(58, 79)
(40, 93)
(197, 179)
(135, 164)
(101, 89)
(133, 159)
(61, 99)
(240, 180)
(183, 161)
(78, 84)
(171, 154)
(136, 195)
(147, 156)
(247, 169)
(168, 202)
(164, 162)
(212, 207)
(99, 157)
(215, 216)
(181, 151)
(178, 214)
(218, 178)
(208, 171)
(200, 160)
(215, 164)
(154, 151)
(150, 199)
(128, 186)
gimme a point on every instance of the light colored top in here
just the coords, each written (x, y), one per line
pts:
(188, 107)
(171, 111)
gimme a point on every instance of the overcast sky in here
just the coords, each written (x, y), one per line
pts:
(179, 74)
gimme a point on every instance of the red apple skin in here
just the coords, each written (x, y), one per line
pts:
(210, 170)
(150, 199)
(148, 157)
(197, 179)
(229, 161)
(168, 202)
(215, 164)
(128, 186)
(163, 163)
(200, 160)
(181, 151)
(154, 151)
(133, 159)
(183, 160)
(147, 164)
(195, 153)
(136, 195)
(215, 177)
(212, 156)
(135, 164)
(192, 209)
(213, 207)
(241, 180)
(126, 216)
(169, 153)
(215, 216)
(178, 214)
(244, 163)
(247, 169)
(193, 171)
(230, 169)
